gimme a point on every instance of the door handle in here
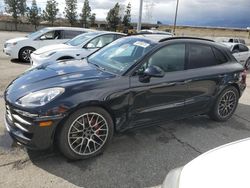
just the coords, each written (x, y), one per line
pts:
(183, 82)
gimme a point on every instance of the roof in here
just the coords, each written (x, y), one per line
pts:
(96, 33)
(69, 28)
(153, 37)
(148, 31)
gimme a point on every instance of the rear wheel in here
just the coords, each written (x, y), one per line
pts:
(86, 133)
(225, 104)
(24, 54)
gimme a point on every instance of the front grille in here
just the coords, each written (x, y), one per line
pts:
(19, 122)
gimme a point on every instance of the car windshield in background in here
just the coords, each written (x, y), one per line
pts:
(78, 40)
(118, 56)
(37, 33)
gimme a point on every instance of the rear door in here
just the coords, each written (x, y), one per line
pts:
(206, 73)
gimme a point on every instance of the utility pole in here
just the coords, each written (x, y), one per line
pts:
(175, 18)
(140, 16)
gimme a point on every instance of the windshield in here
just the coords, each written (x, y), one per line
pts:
(120, 55)
(80, 39)
(37, 33)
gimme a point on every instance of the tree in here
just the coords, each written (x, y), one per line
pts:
(70, 11)
(33, 14)
(50, 12)
(127, 17)
(92, 19)
(16, 8)
(113, 17)
(86, 13)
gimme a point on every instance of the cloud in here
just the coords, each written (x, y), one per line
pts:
(191, 12)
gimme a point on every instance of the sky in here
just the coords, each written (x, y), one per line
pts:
(223, 13)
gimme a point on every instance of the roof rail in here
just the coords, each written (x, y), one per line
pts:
(196, 38)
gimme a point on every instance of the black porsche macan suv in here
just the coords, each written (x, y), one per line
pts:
(134, 81)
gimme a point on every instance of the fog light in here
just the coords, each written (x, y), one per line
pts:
(45, 123)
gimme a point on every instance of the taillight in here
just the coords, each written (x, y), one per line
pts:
(243, 77)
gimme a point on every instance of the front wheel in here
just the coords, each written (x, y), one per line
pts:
(225, 104)
(86, 133)
(24, 54)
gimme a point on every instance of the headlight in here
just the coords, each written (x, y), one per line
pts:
(47, 54)
(40, 98)
(10, 44)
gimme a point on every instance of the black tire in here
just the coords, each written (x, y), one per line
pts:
(24, 54)
(223, 110)
(80, 123)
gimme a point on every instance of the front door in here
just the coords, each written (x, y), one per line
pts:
(160, 98)
(49, 38)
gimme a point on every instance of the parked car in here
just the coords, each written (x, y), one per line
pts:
(21, 48)
(76, 48)
(134, 81)
(226, 166)
(230, 40)
(236, 40)
(154, 31)
(240, 52)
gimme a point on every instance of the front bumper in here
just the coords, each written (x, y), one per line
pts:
(26, 130)
(9, 51)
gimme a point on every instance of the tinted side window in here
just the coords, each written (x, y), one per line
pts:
(200, 56)
(118, 36)
(243, 48)
(170, 58)
(220, 57)
(67, 34)
(242, 41)
(52, 35)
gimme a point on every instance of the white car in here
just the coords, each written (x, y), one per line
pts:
(76, 48)
(241, 52)
(21, 48)
(227, 166)
(230, 40)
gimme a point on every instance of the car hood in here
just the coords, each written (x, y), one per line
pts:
(16, 39)
(51, 48)
(64, 73)
(227, 166)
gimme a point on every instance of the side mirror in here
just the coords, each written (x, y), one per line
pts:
(151, 71)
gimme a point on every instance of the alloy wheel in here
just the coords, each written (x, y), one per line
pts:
(88, 133)
(26, 54)
(227, 104)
